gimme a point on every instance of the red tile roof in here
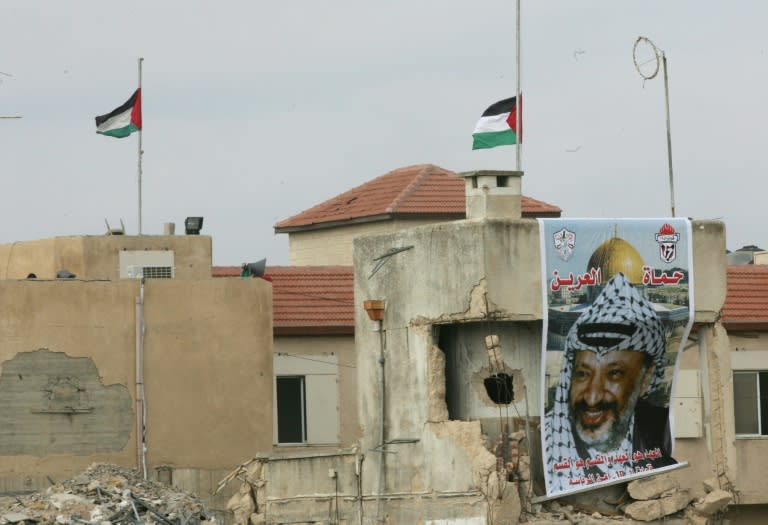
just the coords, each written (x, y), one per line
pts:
(418, 190)
(310, 300)
(307, 300)
(746, 302)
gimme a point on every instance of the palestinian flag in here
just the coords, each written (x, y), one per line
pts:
(498, 125)
(122, 121)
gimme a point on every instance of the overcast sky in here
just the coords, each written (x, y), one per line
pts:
(255, 111)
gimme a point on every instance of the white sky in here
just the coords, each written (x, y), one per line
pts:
(255, 111)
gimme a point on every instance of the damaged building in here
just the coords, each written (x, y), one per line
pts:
(448, 331)
(123, 349)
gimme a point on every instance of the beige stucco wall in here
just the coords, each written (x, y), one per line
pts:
(97, 257)
(207, 373)
(333, 246)
(343, 348)
(749, 351)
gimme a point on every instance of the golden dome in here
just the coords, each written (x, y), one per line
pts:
(617, 255)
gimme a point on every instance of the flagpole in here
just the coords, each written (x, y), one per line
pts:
(141, 152)
(519, 99)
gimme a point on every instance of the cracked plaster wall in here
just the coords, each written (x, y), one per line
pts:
(51, 403)
(456, 273)
(443, 280)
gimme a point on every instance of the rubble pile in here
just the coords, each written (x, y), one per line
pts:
(102, 495)
(660, 497)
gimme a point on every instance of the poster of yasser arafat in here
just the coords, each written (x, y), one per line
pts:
(618, 301)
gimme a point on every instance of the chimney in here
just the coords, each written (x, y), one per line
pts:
(493, 194)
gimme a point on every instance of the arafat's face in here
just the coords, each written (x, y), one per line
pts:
(604, 391)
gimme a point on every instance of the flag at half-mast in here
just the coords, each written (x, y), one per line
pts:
(498, 125)
(122, 121)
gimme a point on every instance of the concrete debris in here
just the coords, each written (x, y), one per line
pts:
(710, 484)
(105, 495)
(651, 488)
(714, 502)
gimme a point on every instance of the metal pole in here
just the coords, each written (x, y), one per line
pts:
(141, 406)
(141, 152)
(519, 98)
(669, 135)
(382, 421)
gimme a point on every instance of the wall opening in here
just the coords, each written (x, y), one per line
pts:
(291, 416)
(492, 389)
(499, 388)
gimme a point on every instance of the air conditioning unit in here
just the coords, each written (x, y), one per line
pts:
(147, 264)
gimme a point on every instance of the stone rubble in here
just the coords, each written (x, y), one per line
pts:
(105, 495)
(656, 500)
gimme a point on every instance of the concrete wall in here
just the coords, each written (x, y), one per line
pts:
(208, 371)
(333, 246)
(68, 381)
(750, 352)
(485, 273)
(96, 257)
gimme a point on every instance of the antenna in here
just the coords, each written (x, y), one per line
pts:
(648, 59)
(115, 231)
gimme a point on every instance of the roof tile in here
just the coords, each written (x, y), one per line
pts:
(746, 301)
(423, 189)
(307, 299)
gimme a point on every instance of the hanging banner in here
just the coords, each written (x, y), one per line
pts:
(618, 303)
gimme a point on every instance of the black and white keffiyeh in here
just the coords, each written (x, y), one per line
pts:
(619, 319)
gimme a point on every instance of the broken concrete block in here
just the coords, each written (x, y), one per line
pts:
(62, 500)
(491, 341)
(242, 505)
(692, 518)
(710, 484)
(650, 488)
(644, 510)
(253, 471)
(654, 509)
(713, 502)
(524, 468)
(491, 491)
(14, 517)
(258, 519)
(507, 508)
(674, 503)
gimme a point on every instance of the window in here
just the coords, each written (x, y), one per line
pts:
(750, 402)
(306, 399)
(291, 414)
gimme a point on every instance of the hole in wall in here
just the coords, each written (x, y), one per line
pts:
(499, 388)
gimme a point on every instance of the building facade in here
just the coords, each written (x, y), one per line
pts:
(134, 356)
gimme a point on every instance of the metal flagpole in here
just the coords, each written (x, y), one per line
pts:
(141, 152)
(518, 99)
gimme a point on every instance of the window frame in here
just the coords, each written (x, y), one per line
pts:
(303, 409)
(760, 376)
(321, 410)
